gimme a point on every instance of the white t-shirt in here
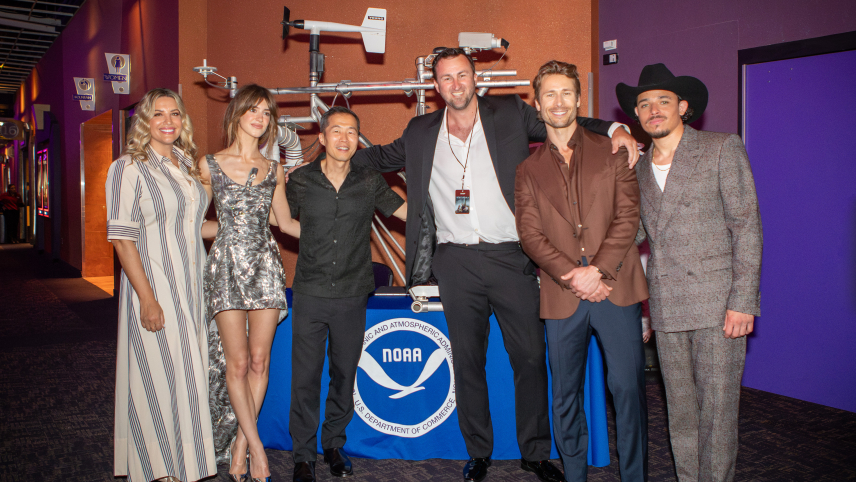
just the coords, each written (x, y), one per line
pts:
(660, 174)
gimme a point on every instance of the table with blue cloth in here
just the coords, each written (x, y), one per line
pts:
(404, 396)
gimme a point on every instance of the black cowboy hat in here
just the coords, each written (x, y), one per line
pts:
(658, 77)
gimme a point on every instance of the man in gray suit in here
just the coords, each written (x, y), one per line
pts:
(700, 214)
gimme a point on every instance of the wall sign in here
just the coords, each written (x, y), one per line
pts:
(119, 68)
(85, 92)
(11, 129)
(43, 202)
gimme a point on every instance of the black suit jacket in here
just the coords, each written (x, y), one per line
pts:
(509, 126)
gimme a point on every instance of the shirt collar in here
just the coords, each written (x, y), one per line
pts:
(575, 140)
(444, 131)
(316, 166)
(185, 163)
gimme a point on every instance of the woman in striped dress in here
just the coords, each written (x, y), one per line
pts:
(155, 219)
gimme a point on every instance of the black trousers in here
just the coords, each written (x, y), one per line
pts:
(314, 320)
(619, 332)
(475, 281)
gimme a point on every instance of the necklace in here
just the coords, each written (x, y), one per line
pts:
(469, 143)
(655, 165)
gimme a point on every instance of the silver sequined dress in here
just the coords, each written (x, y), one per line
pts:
(244, 268)
(243, 272)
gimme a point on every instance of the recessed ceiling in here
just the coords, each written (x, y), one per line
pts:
(27, 29)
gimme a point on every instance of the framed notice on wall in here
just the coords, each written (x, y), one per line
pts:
(43, 201)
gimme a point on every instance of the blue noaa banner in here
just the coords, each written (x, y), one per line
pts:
(399, 391)
(404, 396)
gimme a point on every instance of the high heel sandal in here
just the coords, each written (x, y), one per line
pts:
(235, 477)
(250, 478)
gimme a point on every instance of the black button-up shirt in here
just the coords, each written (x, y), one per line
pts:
(335, 258)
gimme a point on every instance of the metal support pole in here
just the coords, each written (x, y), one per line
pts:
(380, 86)
(383, 226)
(420, 93)
(388, 254)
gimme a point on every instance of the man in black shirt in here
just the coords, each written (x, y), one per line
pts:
(335, 201)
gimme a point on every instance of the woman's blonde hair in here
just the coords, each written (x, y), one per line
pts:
(246, 98)
(140, 135)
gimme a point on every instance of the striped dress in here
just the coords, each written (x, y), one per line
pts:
(163, 426)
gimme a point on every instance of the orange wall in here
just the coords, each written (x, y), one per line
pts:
(245, 42)
(167, 39)
(193, 47)
(97, 144)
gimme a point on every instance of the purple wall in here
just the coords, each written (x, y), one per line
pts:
(803, 347)
(702, 39)
(148, 31)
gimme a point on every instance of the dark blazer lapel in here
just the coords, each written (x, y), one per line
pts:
(506, 183)
(548, 176)
(687, 156)
(430, 138)
(486, 113)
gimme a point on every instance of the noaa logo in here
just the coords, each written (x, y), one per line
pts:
(84, 84)
(407, 378)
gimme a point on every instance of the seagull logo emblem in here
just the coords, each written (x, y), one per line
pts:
(379, 376)
(382, 409)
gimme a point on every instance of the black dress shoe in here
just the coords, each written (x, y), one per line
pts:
(304, 471)
(340, 463)
(476, 468)
(545, 470)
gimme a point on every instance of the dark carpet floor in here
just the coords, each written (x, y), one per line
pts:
(57, 368)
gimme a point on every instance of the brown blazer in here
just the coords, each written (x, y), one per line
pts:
(608, 212)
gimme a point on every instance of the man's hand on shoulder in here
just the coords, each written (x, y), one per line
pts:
(737, 324)
(620, 138)
(292, 169)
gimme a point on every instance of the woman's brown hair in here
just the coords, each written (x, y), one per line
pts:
(246, 98)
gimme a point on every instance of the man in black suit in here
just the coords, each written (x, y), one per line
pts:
(460, 164)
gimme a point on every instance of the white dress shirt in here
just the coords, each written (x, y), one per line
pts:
(490, 220)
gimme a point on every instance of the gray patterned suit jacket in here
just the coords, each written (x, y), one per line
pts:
(704, 231)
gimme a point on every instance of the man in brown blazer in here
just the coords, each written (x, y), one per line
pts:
(700, 215)
(577, 216)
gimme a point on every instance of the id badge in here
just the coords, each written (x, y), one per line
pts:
(462, 201)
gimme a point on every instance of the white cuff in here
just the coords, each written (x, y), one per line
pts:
(616, 125)
(128, 230)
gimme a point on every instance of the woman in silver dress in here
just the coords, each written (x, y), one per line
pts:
(156, 220)
(244, 279)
